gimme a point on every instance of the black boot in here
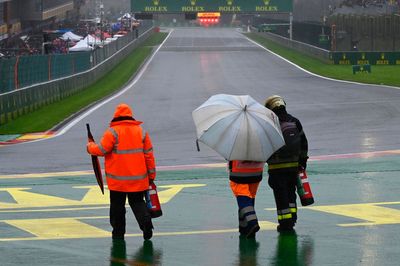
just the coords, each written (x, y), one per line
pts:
(148, 230)
(285, 227)
(141, 213)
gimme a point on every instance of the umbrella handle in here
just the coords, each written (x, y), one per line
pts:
(90, 136)
(197, 144)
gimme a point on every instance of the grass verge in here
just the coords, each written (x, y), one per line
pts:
(52, 114)
(382, 75)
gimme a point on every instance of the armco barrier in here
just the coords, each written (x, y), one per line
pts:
(337, 58)
(304, 48)
(28, 99)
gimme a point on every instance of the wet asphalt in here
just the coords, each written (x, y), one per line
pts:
(355, 220)
(194, 64)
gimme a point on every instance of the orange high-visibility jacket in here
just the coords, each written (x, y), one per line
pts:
(128, 151)
(245, 172)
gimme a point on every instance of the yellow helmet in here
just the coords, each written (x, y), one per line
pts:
(274, 101)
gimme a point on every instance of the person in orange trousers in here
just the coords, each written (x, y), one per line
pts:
(129, 167)
(245, 177)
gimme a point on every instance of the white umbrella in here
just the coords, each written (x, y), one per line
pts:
(238, 127)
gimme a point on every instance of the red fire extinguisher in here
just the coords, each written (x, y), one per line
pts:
(304, 188)
(152, 201)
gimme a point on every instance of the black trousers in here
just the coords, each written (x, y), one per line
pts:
(283, 183)
(117, 211)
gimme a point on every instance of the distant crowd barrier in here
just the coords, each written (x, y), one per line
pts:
(30, 82)
(22, 71)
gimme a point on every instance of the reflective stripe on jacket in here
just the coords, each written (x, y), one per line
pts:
(129, 159)
(283, 165)
(245, 172)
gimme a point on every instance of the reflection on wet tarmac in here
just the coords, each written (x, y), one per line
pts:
(289, 252)
(248, 249)
(145, 255)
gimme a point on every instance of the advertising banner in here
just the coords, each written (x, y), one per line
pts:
(365, 58)
(229, 6)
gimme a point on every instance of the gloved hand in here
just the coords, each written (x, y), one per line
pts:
(89, 143)
(87, 147)
(303, 163)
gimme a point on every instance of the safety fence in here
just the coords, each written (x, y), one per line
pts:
(301, 47)
(56, 80)
(22, 71)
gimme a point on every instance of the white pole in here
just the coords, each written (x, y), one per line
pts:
(291, 26)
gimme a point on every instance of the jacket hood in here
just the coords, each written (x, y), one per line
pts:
(123, 110)
(280, 111)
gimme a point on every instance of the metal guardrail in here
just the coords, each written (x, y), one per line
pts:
(334, 57)
(296, 45)
(25, 100)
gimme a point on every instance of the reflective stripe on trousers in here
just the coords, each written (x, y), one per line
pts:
(247, 215)
(284, 214)
(293, 208)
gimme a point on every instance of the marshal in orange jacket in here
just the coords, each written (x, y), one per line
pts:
(128, 151)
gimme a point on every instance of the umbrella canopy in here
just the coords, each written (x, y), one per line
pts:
(238, 127)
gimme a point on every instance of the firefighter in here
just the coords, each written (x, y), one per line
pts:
(129, 168)
(245, 176)
(284, 164)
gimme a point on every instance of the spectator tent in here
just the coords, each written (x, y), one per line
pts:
(81, 46)
(71, 36)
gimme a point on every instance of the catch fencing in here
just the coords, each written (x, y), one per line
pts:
(30, 82)
(22, 71)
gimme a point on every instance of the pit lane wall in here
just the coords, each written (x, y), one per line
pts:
(94, 65)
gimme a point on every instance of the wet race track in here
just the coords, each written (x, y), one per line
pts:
(52, 212)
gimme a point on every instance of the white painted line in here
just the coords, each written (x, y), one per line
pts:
(69, 125)
(316, 75)
(364, 155)
(126, 88)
